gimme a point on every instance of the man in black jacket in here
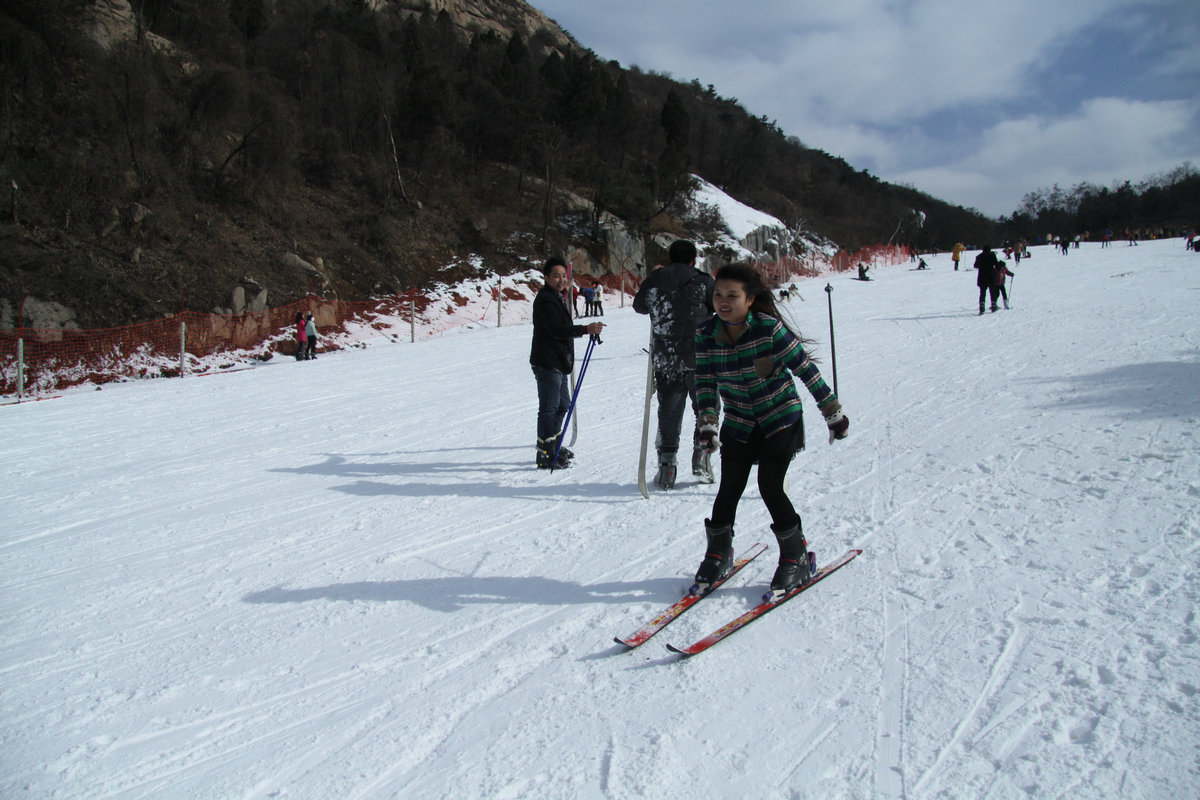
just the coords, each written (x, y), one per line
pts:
(552, 356)
(677, 297)
(987, 263)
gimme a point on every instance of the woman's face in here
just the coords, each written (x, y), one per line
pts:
(731, 301)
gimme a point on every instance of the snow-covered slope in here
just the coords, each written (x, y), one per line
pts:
(345, 579)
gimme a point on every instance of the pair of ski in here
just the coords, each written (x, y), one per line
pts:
(770, 602)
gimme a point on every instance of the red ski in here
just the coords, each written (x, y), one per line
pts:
(684, 603)
(762, 608)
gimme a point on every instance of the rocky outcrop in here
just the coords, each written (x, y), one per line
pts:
(45, 315)
(502, 17)
(110, 22)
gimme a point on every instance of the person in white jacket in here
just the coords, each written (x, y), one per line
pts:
(310, 332)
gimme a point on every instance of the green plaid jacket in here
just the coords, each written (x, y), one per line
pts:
(754, 376)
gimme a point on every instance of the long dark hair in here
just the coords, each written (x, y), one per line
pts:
(763, 298)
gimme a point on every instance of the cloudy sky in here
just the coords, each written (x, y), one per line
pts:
(976, 102)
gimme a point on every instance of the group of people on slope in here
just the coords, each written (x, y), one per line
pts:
(719, 341)
(593, 301)
(992, 278)
(306, 338)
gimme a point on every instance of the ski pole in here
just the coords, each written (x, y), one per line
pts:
(832, 346)
(593, 340)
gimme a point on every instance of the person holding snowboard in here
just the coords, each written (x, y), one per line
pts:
(748, 357)
(552, 355)
(677, 297)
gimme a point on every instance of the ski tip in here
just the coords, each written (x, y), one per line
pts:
(678, 651)
(621, 641)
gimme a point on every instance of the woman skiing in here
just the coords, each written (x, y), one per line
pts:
(748, 356)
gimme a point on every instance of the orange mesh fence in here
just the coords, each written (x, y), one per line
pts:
(192, 342)
(873, 256)
(776, 272)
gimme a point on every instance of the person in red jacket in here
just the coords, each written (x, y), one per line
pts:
(1003, 273)
(301, 338)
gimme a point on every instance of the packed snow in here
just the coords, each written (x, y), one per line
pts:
(345, 578)
(740, 219)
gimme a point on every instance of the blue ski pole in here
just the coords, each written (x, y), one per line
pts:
(593, 340)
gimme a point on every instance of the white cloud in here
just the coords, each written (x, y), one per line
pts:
(964, 100)
(1106, 140)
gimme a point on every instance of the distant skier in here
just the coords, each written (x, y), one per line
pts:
(986, 264)
(1003, 273)
(747, 356)
(551, 355)
(310, 333)
(956, 254)
(597, 299)
(863, 269)
(677, 297)
(301, 338)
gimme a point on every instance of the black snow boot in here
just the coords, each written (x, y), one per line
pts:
(718, 560)
(793, 558)
(665, 479)
(565, 455)
(545, 454)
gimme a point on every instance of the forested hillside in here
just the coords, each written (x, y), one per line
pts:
(354, 148)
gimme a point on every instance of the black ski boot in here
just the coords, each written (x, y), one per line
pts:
(565, 455)
(718, 560)
(545, 454)
(665, 479)
(702, 465)
(793, 567)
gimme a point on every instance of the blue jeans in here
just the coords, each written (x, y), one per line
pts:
(554, 398)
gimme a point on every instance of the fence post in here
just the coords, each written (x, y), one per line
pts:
(499, 297)
(20, 368)
(182, 347)
(412, 319)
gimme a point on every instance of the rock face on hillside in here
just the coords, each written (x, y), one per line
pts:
(112, 21)
(502, 17)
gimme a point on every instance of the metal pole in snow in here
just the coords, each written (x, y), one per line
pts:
(832, 346)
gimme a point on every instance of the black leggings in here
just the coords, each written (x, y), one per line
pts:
(774, 455)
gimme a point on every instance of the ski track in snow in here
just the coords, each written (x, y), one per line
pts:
(345, 578)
